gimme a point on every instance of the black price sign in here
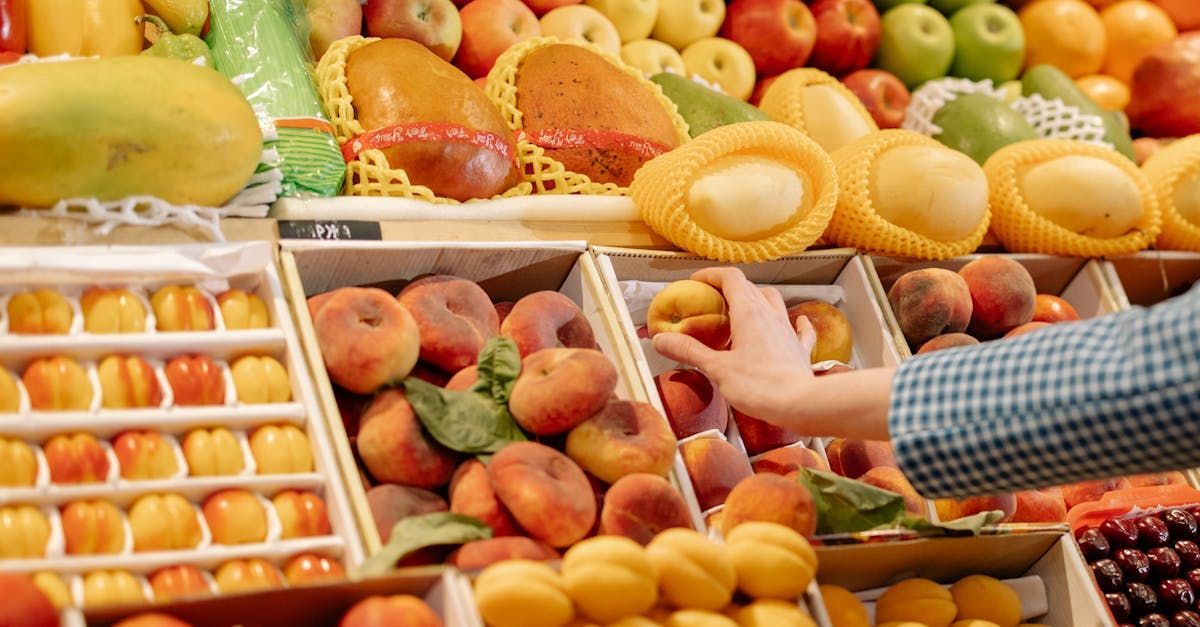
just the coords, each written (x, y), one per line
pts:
(329, 230)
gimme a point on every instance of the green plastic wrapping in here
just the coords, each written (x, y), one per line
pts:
(262, 45)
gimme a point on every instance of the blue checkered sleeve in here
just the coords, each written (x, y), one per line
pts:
(1116, 395)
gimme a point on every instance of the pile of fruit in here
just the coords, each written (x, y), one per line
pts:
(973, 601)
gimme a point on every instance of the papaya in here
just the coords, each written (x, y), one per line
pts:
(123, 126)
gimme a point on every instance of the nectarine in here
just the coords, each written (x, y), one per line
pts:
(235, 516)
(301, 514)
(760, 436)
(1052, 309)
(312, 568)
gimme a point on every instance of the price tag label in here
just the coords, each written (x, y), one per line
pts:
(330, 230)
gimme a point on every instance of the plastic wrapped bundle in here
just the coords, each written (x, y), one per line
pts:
(260, 44)
(1174, 174)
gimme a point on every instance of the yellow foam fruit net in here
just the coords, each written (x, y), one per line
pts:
(660, 190)
(857, 224)
(784, 99)
(370, 174)
(1023, 230)
(1166, 170)
(545, 174)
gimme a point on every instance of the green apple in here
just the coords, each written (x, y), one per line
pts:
(887, 5)
(1011, 90)
(948, 7)
(917, 44)
(988, 43)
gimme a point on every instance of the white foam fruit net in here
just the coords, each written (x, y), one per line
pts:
(933, 95)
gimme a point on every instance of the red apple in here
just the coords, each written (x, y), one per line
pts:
(489, 27)
(847, 35)
(1166, 89)
(432, 23)
(1185, 13)
(885, 97)
(778, 34)
(542, 7)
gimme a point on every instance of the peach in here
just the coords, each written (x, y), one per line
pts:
(93, 528)
(626, 437)
(853, 458)
(145, 455)
(1028, 327)
(112, 311)
(40, 312)
(503, 309)
(522, 593)
(715, 467)
(546, 492)
(76, 458)
(463, 379)
(235, 516)
(175, 582)
(53, 587)
(57, 384)
(691, 308)
(367, 339)
(454, 318)
(1039, 506)
(10, 395)
(692, 403)
(759, 436)
(25, 604)
(301, 514)
(112, 587)
(772, 561)
(195, 380)
(835, 338)
(609, 578)
(947, 341)
(639, 506)
(182, 308)
(917, 600)
(693, 571)
(391, 503)
(212, 452)
(1052, 309)
(929, 303)
(260, 380)
(394, 448)
(782, 461)
(471, 494)
(892, 480)
(24, 532)
(429, 374)
(1156, 479)
(312, 568)
(1089, 491)
(1003, 296)
(559, 388)
(127, 381)
(164, 522)
(484, 553)
(152, 619)
(281, 449)
(547, 320)
(242, 311)
(18, 464)
(246, 575)
(953, 509)
(770, 498)
(399, 610)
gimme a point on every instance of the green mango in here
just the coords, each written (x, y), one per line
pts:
(702, 108)
(978, 125)
(1052, 83)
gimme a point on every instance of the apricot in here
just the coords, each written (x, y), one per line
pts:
(240, 310)
(454, 317)
(93, 528)
(772, 613)
(640, 506)
(929, 303)
(471, 494)
(844, 609)
(715, 467)
(782, 461)
(484, 553)
(391, 503)
(1040, 506)
(182, 308)
(522, 593)
(693, 571)
(57, 384)
(626, 437)
(559, 388)
(952, 509)
(41, 312)
(854, 458)
(692, 403)
(395, 449)
(127, 381)
(697, 618)
(367, 338)
(835, 338)
(917, 600)
(760, 436)
(692, 308)
(770, 498)
(983, 598)
(235, 516)
(946, 341)
(1003, 295)
(546, 492)
(772, 561)
(610, 577)
(547, 320)
(892, 480)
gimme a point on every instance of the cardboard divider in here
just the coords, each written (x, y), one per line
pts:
(1148, 278)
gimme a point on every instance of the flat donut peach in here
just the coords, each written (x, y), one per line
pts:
(546, 492)
(558, 388)
(626, 437)
(367, 339)
(395, 449)
(455, 318)
(547, 320)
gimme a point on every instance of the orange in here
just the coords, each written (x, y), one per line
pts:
(1108, 92)
(1064, 33)
(1100, 4)
(1133, 28)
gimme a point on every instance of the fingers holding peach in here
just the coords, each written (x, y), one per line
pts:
(547, 320)
(559, 388)
(835, 338)
(454, 318)
(367, 338)
(692, 308)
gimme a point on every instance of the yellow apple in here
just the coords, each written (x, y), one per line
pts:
(582, 23)
(683, 22)
(724, 63)
(634, 19)
(652, 57)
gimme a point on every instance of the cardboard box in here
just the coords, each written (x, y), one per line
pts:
(1051, 556)
(507, 271)
(1149, 278)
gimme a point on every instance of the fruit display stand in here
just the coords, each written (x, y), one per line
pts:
(234, 427)
(28, 229)
(1151, 277)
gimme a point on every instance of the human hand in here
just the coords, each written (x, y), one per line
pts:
(768, 364)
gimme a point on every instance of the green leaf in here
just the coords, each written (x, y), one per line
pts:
(844, 505)
(463, 421)
(417, 532)
(499, 365)
(968, 525)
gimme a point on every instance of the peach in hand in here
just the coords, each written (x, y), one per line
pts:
(93, 528)
(260, 380)
(242, 311)
(547, 320)
(235, 516)
(693, 571)
(164, 522)
(24, 532)
(692, 403)
(213, 452)
(112, 587)
(195, 380)
(769, 498)
(312, 568)
(626, 437)
(281, 449)
(946, 341)
(772, 561)
(301, 514)
(640, 506)
(40, 312)
(1052, 309)
(18, 464)
(471, 494)
(176, 582)
(112, 311)
(10, 395)
(609, 578)
(782, 461)
(835, 338)
(127, 381)
(1003, 296)
(484, 553)
(145, 455)
(76, 458)
(367, 339)
(400, 610)
(929, 303)
(692, 308)
(57, 384)
(391, 503)
(546, 492)
(182, 308)
(953, 509)
(559, 388)
(760, 436)
(395, 449)
(454, 318)
(714, 467)
(247, 575)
